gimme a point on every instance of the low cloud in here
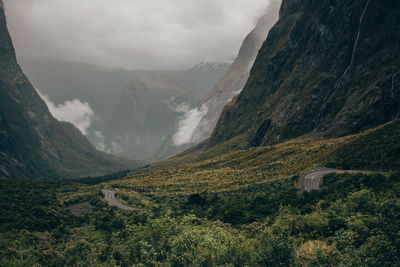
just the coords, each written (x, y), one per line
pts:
(196, 124)
(115, 148)
(98, 140)
(74, 111)
(187, 125)
(181, 108)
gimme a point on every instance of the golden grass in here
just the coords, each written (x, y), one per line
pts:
(225, 169)
(226, 172)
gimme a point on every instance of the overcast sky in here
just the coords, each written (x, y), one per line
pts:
(138, 34)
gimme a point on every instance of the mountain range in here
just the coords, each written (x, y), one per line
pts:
(133, 110)
(302, 168)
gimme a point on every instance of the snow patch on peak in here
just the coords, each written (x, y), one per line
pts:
(209, 65)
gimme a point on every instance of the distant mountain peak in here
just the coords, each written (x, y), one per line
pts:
(209, 66)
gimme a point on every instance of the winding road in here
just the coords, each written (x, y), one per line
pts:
(312, 180)
(109, 196)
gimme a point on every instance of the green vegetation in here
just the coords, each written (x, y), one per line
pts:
(242, 208)
(378, 149)
(100, 179)
(352, 220)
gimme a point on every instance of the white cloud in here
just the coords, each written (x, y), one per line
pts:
(151, 34)
(74, 111)
(182, 108)
(98, 140)
(115, 148)
(187, 125)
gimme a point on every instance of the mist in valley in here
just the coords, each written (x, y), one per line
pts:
(141, 80)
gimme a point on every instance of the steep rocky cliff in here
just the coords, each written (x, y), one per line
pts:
(32, 143)
(330, 67)
(227, 87)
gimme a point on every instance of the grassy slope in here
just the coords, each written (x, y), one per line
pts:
(377, 149)
(221, 169)
(211, 208)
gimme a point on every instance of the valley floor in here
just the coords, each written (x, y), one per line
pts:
(221, 207)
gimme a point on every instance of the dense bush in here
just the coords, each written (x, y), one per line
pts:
(375, 150)
(352, 220)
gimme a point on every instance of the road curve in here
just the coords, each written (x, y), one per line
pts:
(109, 196)
(312, 180)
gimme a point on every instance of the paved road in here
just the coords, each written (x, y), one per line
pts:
(109, 196)
(312, 180)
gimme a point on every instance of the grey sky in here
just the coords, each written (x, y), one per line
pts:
(141, 34)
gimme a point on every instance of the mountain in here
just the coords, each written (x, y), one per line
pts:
(231, 83)
(151, 105)
(246, 206)
(32, 143)
(146, 111)
(206, 75)
(327, 67)
(134, 110)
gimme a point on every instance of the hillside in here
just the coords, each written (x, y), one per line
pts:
(319, 71)
(230, 84)
(32, 143)
(220, 169)
(242, 207)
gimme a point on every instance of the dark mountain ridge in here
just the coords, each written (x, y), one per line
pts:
(231, 83)
(32, 143)
(327, 67)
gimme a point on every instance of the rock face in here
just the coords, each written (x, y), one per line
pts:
(330, 67)
(227, 87)
(32, 143)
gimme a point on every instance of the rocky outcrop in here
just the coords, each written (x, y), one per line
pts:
(330, 67)
(32, 143)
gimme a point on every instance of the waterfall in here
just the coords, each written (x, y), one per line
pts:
(339, 81)
(392, 90)
(354, 48)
